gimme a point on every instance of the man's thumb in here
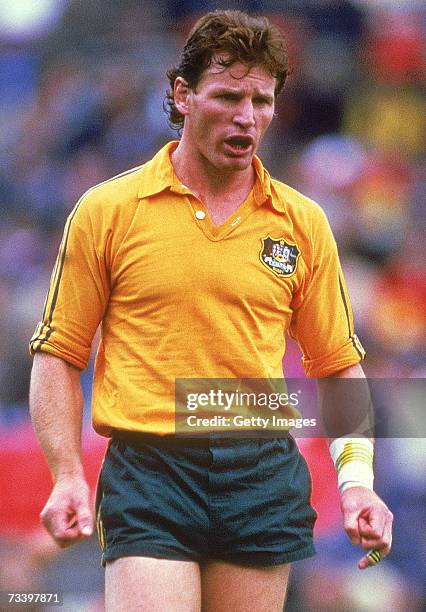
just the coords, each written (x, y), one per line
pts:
(85, 521)
(86, 530)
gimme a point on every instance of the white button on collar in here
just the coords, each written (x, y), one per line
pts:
(200, 214)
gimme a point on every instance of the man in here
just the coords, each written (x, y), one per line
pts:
(195, 265)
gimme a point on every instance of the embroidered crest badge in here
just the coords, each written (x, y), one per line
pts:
(279, 256)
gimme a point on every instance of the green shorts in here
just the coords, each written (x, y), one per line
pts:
(242, 501)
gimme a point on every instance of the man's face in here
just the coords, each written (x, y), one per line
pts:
(228, 114)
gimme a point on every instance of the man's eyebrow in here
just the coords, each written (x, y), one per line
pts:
(221, 89)
(266, 96)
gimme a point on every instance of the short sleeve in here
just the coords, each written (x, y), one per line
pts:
(78, 291)
(322, 320)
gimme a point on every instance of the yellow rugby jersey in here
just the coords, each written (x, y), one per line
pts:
(178, 297)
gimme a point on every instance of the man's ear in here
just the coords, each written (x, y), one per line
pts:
(181, 93)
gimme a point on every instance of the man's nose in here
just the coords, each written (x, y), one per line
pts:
(245, 114)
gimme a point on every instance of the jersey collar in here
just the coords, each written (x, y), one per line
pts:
(264, 193)
(159, 175)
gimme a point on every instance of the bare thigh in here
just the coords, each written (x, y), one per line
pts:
(226, 586)
(136, 584)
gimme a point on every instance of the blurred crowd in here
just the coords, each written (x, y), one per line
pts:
(82, 84)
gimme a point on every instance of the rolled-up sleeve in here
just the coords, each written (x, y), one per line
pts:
(78, 291)
(322, 321)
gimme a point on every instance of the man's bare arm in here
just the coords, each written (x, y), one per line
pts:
(367, 519)
(56, 407)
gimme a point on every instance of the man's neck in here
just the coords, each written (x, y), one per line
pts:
(221, 192)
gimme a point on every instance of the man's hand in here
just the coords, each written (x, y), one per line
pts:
(367, 521)
(67, 515)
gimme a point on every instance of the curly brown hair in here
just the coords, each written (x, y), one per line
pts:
(242, 37)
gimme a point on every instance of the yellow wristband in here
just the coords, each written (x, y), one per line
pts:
(353, 458)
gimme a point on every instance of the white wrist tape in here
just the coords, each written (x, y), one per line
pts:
(353, 458)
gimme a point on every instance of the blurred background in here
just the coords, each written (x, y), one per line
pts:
(82, 84)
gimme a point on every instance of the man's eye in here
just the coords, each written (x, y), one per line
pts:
(261, 101)
(228, 97)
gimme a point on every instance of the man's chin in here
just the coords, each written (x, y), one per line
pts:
(236, 164)
(230, 163)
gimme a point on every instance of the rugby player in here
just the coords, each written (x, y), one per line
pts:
(195, 265)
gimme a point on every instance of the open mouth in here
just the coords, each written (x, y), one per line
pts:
(239, 143)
